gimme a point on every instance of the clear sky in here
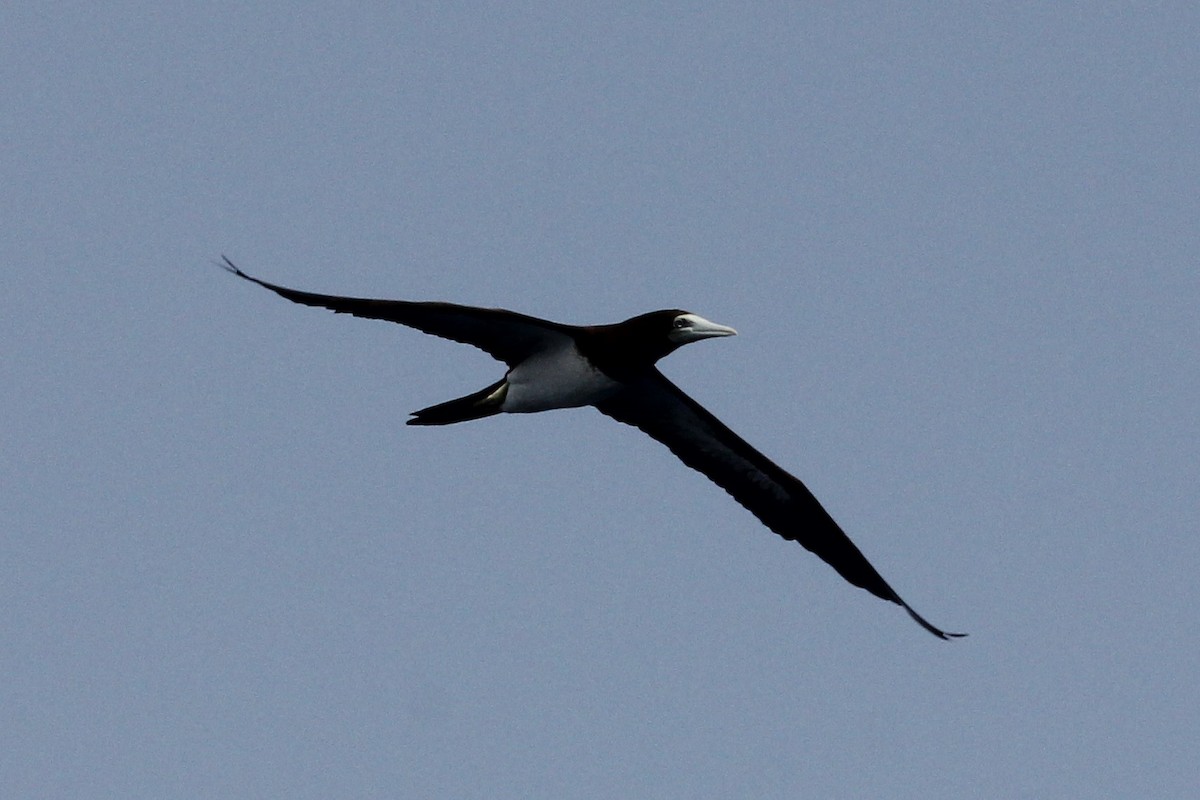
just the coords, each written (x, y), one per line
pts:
(961, 248)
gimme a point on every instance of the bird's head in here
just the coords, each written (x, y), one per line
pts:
(660, 333)
(629, 347)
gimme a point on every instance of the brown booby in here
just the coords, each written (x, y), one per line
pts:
(612, 367)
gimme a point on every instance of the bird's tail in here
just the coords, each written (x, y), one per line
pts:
(483, 403)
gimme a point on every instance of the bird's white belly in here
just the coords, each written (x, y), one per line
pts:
(560, 378)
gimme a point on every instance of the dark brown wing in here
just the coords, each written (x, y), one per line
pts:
(504, 335)
(784, 504)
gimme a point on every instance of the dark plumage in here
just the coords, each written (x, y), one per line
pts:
(612, 367)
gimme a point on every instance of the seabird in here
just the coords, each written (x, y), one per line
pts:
(612, 367)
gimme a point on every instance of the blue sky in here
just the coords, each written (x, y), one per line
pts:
(960, 247)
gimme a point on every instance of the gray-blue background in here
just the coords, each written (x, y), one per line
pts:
(960, 245)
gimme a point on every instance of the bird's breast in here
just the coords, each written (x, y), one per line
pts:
(558, 378)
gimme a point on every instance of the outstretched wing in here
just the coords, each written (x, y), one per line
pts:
(504, 335)
(784, 504)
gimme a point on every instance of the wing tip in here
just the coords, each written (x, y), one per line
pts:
(226, 264)
(233, 268)
(927, 625)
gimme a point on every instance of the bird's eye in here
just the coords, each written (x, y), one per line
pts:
(680, 322)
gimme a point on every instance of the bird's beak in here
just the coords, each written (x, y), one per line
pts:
(699, 328)
(711, 329)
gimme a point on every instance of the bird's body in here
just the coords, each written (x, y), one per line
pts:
(612, 367)
(557, 377)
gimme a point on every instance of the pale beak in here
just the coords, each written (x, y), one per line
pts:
(700, 328)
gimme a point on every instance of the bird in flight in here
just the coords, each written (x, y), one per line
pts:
(612, 367)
